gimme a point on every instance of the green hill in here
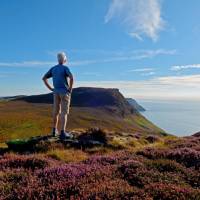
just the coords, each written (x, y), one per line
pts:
(28, 116)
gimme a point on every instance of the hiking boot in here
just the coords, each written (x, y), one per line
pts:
(64, 136)
(54, 133)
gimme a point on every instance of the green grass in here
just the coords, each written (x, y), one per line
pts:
(21, 120)
(24, 120)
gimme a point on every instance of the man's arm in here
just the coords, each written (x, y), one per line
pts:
(47, 83)
(71, 82)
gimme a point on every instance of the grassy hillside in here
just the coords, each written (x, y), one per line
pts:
(19, 119)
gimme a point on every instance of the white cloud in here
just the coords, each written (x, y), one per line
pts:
(123, 56)
(91, 74)
(148, 74)
(141, 17)
(139, 55)
(170, 88)
(185, 81)
(182, 67)
(141, 70)
(26, 64)
(11, 74)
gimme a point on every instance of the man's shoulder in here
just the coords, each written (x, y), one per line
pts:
(54, 67)
(61, 67)
(65, 66)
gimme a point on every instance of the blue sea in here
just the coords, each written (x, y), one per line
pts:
(179, 118)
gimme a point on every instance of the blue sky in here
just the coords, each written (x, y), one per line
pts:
(147, 49)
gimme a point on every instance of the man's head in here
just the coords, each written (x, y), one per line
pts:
(61, 58)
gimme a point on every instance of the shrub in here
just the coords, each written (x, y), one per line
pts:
(102, 160)
(187, 142)
(163, 165)
(170, 192)
(152, 138)
(117, 143)
(96, 134)
(189, 157)
(27, 162)
(129, 170)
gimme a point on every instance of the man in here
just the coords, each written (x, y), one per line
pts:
(61, 92)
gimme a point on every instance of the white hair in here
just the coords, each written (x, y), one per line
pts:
(61, 57)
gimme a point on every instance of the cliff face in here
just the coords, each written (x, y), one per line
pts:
(135, 105)
(90, 97)
(100, 97)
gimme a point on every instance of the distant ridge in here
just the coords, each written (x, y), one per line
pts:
(12, 97)
(196, 134)
(88, 97)
(136, 106)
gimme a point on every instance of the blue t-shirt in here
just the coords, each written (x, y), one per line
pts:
(59, 73)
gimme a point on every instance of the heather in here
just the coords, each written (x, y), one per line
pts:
(168, 172)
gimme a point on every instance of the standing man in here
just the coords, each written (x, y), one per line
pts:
(61, 92)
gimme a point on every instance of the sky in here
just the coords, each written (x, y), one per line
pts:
(149, 49)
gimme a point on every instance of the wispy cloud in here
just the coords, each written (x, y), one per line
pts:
(148, 73)
(142, 70)
(170, 87)
(183, 67)
(141, 17)
(116, 57)
(11, 74)
(137, 55)
(27, 64)
(190, 80)
(91, 74)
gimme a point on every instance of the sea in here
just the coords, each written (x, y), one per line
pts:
(180, 118)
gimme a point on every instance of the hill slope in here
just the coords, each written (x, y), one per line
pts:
(91, 107)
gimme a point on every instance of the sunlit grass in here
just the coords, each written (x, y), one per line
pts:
(21, 120)
(67, 155)
(3, 145)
